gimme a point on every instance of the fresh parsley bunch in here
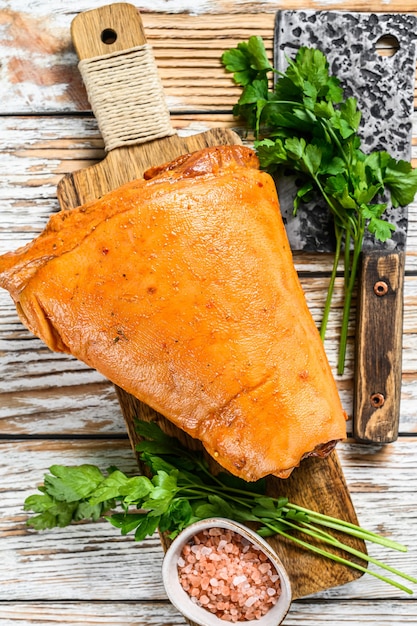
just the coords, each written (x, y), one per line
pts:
(303, 125)
(181, 490)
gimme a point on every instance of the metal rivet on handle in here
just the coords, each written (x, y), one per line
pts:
(377, 400)
(380, 288)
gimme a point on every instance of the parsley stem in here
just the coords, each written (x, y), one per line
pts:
(359, 533)
(308, 529)
(340, 219)
(330, 290)
(346, 272)
(349, 287)
(348, 527)
(203, 467)
(247, 497)
(338, 559)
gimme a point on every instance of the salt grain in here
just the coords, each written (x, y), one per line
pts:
(264, 567)
(228, 576)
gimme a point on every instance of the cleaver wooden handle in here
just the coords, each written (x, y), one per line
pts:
(378, 359)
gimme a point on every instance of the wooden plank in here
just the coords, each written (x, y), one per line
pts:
(41, 8)
(72, 613)
(314, 613)
(40, 73)
(62, 563)
(370, 613)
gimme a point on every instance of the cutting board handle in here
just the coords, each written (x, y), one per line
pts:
(120, 75)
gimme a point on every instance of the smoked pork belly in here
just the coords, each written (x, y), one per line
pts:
(180, 288)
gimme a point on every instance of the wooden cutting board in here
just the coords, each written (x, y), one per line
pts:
(319, 483)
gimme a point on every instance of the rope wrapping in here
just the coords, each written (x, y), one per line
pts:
(126, 95)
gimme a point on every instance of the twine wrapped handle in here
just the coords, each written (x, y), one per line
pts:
(120, 76)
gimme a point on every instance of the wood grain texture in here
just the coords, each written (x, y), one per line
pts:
(87, 574)
(124, 30)
(380, 613)
(188, 38)
(91, 561)
(378, 355)
(124, 164)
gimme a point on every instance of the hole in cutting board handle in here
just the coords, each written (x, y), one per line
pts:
(108, 36)
(387, 46)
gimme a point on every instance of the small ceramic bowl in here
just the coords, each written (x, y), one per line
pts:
(201, 616)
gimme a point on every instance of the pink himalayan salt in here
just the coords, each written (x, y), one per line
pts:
(228, 576)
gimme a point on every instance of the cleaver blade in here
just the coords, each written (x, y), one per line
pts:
(384, 89)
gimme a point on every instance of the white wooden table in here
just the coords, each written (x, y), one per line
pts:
(53, 409)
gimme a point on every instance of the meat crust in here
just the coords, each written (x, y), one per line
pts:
(181, 289)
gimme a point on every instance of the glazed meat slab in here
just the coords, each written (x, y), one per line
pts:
(180, 288)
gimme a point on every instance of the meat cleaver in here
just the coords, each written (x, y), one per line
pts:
(384, 88)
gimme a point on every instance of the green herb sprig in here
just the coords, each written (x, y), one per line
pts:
(304, 126)
(182, 490)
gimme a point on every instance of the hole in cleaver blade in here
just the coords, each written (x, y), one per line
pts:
(383, 86)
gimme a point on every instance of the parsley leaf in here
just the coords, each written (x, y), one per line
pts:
(401, 180)
(305, 126)
(248, 61)
(72, 483)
